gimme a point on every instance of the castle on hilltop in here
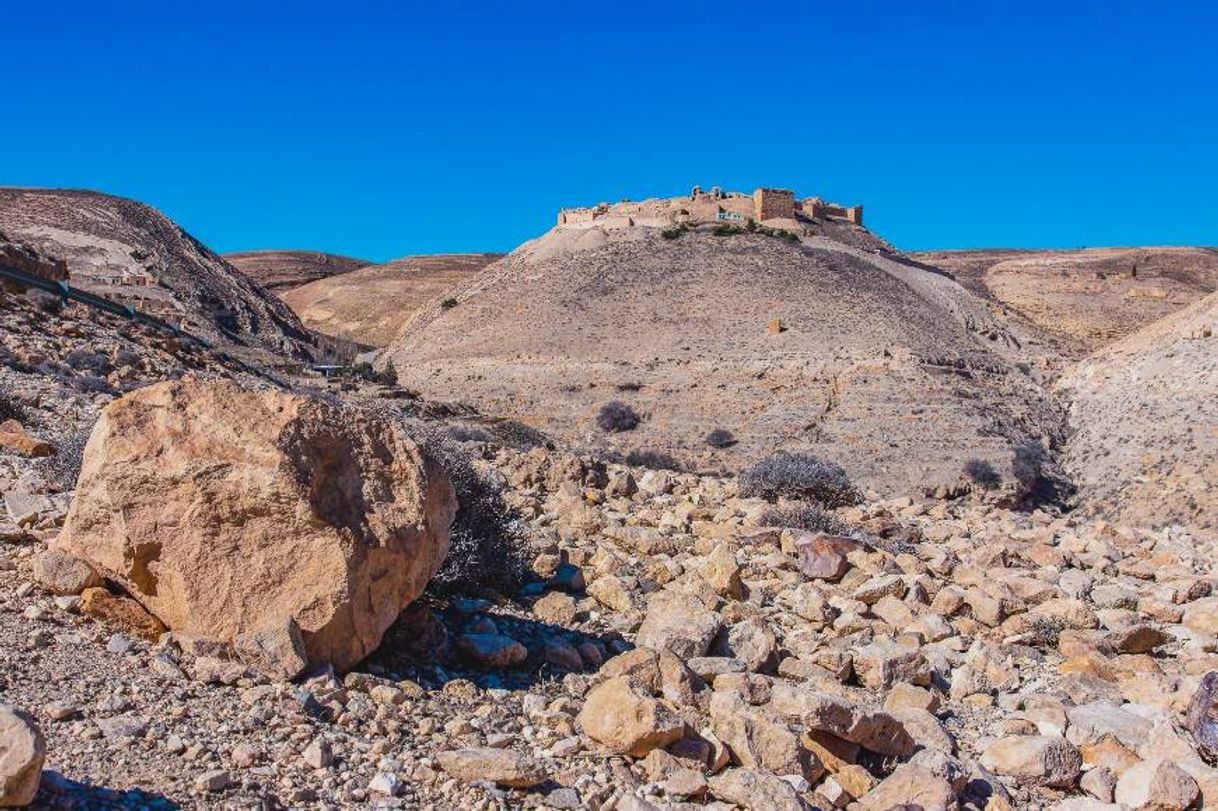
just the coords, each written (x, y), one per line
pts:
(777, 207)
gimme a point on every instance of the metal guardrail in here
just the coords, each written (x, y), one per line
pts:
(66, 292)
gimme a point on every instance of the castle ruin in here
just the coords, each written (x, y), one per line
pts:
(765, 206)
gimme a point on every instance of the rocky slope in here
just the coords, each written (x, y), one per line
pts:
(675, 649)
(280, 271)
(1144, 420)
(129, 252)
(892, 370)
(1087, 297)
(370, 305)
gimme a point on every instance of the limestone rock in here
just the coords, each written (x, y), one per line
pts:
(756, 791)
(22, 752)
(500, 766)
(626, 721)
(276, 650)
(61, 573)
(239, 508)
(679, 622)
(612, 593)
(493, 651)
(1039, 759)
(910, 786)
(1156, 786)
(15, 439)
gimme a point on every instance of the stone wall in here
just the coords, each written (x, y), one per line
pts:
(772, 204)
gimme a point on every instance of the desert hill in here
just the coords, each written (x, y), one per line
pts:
(279, 271)
(371, 304)
(1086, 297)
(1144, 420)
(894, 371)
(131, 253)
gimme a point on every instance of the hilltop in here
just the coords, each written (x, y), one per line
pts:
(1088, 297)
(370, 305)
(892, 369)
(131, 253)
(280, 271)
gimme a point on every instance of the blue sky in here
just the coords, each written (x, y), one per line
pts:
(384, 129)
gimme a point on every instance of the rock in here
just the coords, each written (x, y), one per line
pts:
(823, 557)
(568, 577)
(386, 784)
(1039, 759)
(15, 439)
(318, 754)
(491, 651)
(1138, 638)
(758, 741)
(1156, 786)
(910, 786)
(276, 651)
(752, 642)
(215, 780)
(122, 612)
(883, 663)
(500, 766)
(60, 573)
(721, 570)
(680, 622)
(755, 791)
(611, 592)
(1202, 717)
(327, 514)
(22, 752)
(1099, 783)
(1092, 721)
(627, 721)
(555, 608)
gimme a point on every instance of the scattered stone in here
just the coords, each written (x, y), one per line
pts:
(626, 721)
(22, 752)
(500, 766)
(1040, 759)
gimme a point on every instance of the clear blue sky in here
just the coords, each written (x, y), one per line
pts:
(382, 129)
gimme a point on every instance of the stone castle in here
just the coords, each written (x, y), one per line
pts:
(775, 207)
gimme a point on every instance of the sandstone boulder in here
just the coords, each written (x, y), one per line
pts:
(226, 511)
(500, 766)
(680, 622)
(22, 752)
(626, 720)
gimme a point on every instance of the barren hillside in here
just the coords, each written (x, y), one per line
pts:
(894, 371)
(1086, 297)
(279, 271)
(1144, 414)
(371, 304)
(130, 252)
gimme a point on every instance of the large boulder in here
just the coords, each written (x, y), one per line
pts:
(228, 512)
(22, 752)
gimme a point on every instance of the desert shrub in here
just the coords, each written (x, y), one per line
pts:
(85, 360)
(799, 477)
(91, 384)
(720, 438)
(448, 303)
(10, 409)
(63, 466)
(489, 547)
(469, 433)
(802, 515)
(652, 459)
(630, 385)
(127, 357)
(388, 376)
(521, 437)
(982, 473)
(724, 229)
(616, 417)
(675, 232)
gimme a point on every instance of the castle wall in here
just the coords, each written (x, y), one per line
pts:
(770, 204)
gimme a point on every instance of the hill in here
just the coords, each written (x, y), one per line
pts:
(893, 370)
(1144, 420)
(131, 253)
(279, 271)
(1087, 297)
(371, 304)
